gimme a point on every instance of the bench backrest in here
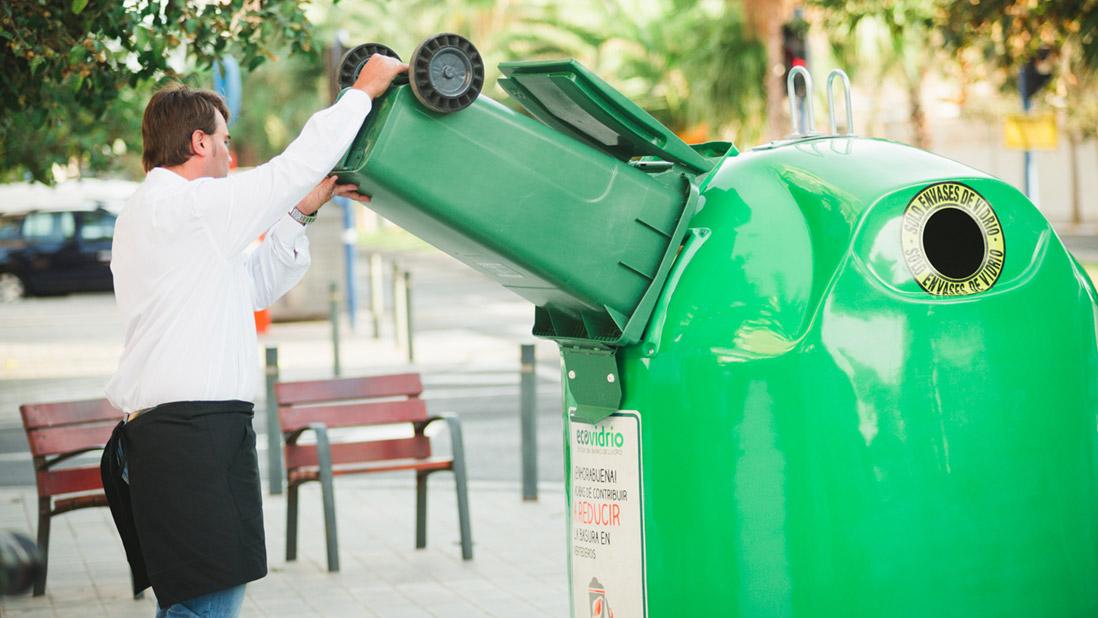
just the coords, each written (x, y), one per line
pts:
(354, 402)
(63, 427)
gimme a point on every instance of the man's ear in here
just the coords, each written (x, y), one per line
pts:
(200, 143)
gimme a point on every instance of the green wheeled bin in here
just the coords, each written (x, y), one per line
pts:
(830, 376)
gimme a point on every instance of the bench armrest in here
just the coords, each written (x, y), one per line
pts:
(457, 443)
(323, 444)
(46, 463)
(290, 437)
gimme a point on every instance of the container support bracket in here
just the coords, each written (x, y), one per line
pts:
(591, 377)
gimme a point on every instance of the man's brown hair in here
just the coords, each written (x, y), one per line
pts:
(171, 117)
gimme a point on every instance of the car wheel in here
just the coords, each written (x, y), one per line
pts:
(11, 288)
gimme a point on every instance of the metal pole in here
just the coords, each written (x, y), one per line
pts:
(333, 316)
(395, 281)
(1029, 173)
(377, 293)
(274, 433)
(528, 418)
(1073, 161)
(399, 312)
(349, 258)
(409, 326)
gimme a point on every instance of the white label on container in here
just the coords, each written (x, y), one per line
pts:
(607, 518)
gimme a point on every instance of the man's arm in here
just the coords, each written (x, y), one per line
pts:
(279, 262)
(282, 259)
(237, 209)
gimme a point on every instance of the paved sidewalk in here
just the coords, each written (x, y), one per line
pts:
(518, 570)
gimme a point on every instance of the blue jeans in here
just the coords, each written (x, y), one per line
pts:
(221, 604)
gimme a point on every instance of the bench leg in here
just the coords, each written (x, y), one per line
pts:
(463, 511)
(457, 446)
(43, 544)
(327, 492)
(291, 521)
(421, 509)
(330, 534)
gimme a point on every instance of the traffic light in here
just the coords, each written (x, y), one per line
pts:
(1036, 73)
(794, 49)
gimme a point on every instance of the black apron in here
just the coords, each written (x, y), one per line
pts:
(191, 516)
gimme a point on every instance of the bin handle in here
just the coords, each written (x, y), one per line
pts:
(791, 91)
(848, 101)
(695, 238)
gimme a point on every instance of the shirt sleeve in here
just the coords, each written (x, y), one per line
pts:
(279, 262)
(237, 209)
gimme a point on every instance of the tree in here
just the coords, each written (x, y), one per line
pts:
(901, 37)
(1006, 34)
(1011, 31)
(70, 69)
(765, 19)
(688, 63)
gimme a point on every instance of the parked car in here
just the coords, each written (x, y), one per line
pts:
(55, 252)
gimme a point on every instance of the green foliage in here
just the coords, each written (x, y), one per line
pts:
(278, 99)
(990, 39)
(1008, 32)
(75, 73)
(688, 62)
(1003, 35)
(899, 34)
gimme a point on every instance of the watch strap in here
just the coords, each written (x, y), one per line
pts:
(301, 217)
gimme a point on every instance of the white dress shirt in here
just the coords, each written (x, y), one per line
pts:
(184, 281)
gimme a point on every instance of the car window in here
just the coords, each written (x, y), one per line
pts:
(9, 228)
(49, 226)
(98, 225)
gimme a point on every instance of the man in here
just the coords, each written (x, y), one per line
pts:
(181, 472)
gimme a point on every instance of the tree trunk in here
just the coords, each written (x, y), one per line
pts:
(765, 19)
(920, 132)
(1073, 158)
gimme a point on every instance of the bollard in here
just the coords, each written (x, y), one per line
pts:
(528, 385)
(333, 316)
(377, 294)
(395, 282)
(399, 312)
(274, 436)
(409, 324)
(350, 240)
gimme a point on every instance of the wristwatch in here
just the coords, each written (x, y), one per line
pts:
(301, 217)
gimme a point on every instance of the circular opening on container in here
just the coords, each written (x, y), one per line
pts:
(953, 243)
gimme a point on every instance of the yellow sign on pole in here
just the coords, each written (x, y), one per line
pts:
(1030, 132)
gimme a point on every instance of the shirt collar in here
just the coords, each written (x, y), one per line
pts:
(159, 175)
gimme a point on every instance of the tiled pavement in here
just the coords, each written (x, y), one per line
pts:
(518, 569)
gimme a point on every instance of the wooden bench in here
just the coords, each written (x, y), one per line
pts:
(56, 433)
(321, 405)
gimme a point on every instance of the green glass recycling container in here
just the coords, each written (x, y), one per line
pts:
(827, 377)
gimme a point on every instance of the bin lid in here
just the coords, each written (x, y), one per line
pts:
(566, 96)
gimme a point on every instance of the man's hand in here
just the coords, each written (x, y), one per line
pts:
(323, 192)
(318, 196)
(351, 191)
(378, 73)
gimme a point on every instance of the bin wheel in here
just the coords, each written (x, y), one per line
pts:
(356, 58)
(447, 73)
